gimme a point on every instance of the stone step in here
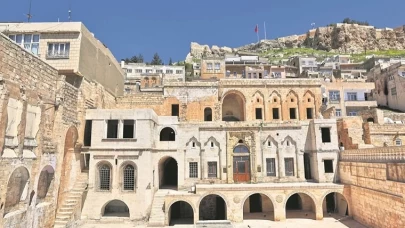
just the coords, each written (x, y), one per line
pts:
(66, 209)
(60, 222)
(64, 213)
(62, 217)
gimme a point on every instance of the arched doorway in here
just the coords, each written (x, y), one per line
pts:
(233, 107)
(116, 208)
(181, 213)
(241, 164)
(300, 205)
(45, 183)
(258, 206)
(168, 173)
(212, 207)
(17, 189)
(335, 204)
(68, 156)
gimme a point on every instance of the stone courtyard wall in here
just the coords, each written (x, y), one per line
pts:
(377, 187)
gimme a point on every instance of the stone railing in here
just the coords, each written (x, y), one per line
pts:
(380, 154)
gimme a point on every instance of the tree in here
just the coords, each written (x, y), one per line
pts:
(170, 62)
(135, 59)
(156, 60)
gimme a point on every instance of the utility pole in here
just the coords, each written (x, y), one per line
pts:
(29, 15)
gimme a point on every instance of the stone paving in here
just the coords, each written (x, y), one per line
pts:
(329, 222)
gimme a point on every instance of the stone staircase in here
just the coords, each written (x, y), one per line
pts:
(73, 198)
(157, 215)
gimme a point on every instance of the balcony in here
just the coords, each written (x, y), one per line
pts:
(58, 55)
(360, 103)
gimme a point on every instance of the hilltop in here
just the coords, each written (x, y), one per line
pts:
(354, 39)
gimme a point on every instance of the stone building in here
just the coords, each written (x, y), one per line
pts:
(193, 147)
(70, 48)
(43, 110)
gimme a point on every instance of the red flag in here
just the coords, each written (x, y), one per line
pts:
(256, 29)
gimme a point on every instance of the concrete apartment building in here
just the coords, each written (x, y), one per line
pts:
(70, 48)
(150, 77)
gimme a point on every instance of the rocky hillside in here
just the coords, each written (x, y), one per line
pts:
(340, 38)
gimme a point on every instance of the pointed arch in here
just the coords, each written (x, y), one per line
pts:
(309, 93)
(275, 94)
(193, 139)
(292, 93)
(212, 139)
(258, 93)
(272, 140)
(290, 139)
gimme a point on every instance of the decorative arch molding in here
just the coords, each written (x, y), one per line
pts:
(269, 138)
(213, 139)
(213, 193)
(20, 166)
(314, 199)
(181, 200)
(103, 162)
(233, 91)
(292, 93)
(194, 139)
(289, 138)
(310, 93)
(258, 93)
(322, 198)
(275, 93)
(272, 199)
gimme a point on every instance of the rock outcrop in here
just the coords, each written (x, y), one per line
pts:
(344, 38)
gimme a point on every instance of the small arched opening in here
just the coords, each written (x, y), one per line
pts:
(300, 205)
(370, 120)
(45, 183)
(167, 134)
(207, 114)
(181, 212)
(17, 189)
(233, 108)
(168, 173)
(259, 207)
(116, 208)
(212, 207)
(335, 204)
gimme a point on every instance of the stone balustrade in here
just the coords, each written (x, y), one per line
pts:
(380, 154)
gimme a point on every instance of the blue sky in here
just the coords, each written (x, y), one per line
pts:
(167, 27)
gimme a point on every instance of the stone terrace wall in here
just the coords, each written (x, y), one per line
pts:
(376, 179)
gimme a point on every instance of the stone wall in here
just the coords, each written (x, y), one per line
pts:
(376, 201)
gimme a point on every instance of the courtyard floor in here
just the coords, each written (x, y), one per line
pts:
(329, 222)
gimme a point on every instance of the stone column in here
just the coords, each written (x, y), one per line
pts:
(279, 210)
(318, 211)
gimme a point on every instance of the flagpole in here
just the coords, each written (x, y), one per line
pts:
(257, 33)
(265, 35)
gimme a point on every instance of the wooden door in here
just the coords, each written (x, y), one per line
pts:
(241, 169)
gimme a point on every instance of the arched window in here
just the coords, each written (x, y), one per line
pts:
(105, 177)
(167, 134)
(129, 178)
(207, 114)
(241, 149)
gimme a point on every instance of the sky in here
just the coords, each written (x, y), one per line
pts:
(132, 27)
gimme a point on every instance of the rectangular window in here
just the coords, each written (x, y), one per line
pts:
(209, 66)
(212, 169)
(159, 71)
(249, 75)
(179, 71)
(334, 95)
(259, 114)
(268, 143)
(352, 114)
(394, 91)
(169, 71)
(276, 114)
(128, 129)
(310, 113)
(398, 142)
(289, 166)
(87, 133)
(293, 115)
(127, 70)
(30, 42)
(325, 134)
(217, 66)
(61, 51)
(149, 70)
(254, 75)
(271, 167)
(112, 129)
(175, 110)
(338, 112)
(352, 96)
(193, 166)
(138, 71)
(193, 145)
(328, 165)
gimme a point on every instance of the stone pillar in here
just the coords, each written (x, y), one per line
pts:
(300, 166)
(318, 212)
(279, 164)
(279, 212)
